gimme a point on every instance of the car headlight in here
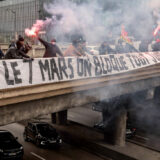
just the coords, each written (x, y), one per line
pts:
(60, 141)
(21, 148)
(1, 150)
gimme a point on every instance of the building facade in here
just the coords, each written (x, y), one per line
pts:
(16, 15)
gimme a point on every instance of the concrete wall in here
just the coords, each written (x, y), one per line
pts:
(33, 108)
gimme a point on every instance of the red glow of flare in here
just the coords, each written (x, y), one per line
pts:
(33, 32)
(124, 35)
(156, 34)
(156, 30)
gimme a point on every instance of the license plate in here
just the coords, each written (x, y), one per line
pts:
(128, 131)
(52, 141)
(12, 154)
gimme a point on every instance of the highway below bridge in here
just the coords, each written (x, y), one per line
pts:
(65, 152)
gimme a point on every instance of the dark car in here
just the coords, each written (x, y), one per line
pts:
(42, 134)
(130, 131)
(10, 149)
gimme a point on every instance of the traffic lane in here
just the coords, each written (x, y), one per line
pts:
(85, 116)
(31, 152)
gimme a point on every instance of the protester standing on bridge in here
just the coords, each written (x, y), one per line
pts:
(105, 48)
(119, 47)
(12, 53)
(22, 46)
(22, 50)
(84, 48)
(17, 50)
(1, 53)
(51, 48)
(156, 46)
(12, 44)
(75, 49)
(143, 47)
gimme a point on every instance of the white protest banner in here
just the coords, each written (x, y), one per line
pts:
(18, 73)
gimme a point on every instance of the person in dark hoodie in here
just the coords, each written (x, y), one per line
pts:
(22, 48)
(16, 50)
(51, 48)
(143, 46)
(156, 46)
(119, 47)
(106, 49)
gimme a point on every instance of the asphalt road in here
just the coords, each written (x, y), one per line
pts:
(85, 116)
(31, 152)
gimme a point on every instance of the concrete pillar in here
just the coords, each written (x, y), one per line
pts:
(120, 128)
(53, 118)
(114, 118)
(157, 95)
(61, 118)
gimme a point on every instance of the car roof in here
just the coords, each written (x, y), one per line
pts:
(4, 131)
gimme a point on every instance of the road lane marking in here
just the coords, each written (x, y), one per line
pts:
(34, 154)
(145, 138)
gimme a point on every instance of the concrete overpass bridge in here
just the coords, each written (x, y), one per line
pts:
(20, 103)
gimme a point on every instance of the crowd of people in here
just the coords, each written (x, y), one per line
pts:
(18, 49)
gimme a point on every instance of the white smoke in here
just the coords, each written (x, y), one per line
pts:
(154, 4)
(99, 19)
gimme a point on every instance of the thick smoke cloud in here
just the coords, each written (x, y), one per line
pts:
(100, 19)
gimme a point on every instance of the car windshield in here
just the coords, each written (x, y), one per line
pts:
(6, 137)
(46, 130)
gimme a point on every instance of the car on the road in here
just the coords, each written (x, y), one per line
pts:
(42, 134)
(130, 131)
(10, 148)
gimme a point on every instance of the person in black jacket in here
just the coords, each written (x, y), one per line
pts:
(143, 46)
(119, 47)
(155, 46)
(51, 48)
(106, 49)
(16, 50)
(21, 47)
(12, 53)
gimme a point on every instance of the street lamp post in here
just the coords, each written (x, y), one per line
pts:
(15, 21)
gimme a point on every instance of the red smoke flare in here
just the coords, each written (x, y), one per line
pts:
(33, 32)
(124, 35)
(156, 33)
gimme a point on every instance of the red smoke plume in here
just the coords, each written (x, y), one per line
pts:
(156, 33)
(124, 35)
(37, 27)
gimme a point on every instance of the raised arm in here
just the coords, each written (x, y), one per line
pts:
(45, 43)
